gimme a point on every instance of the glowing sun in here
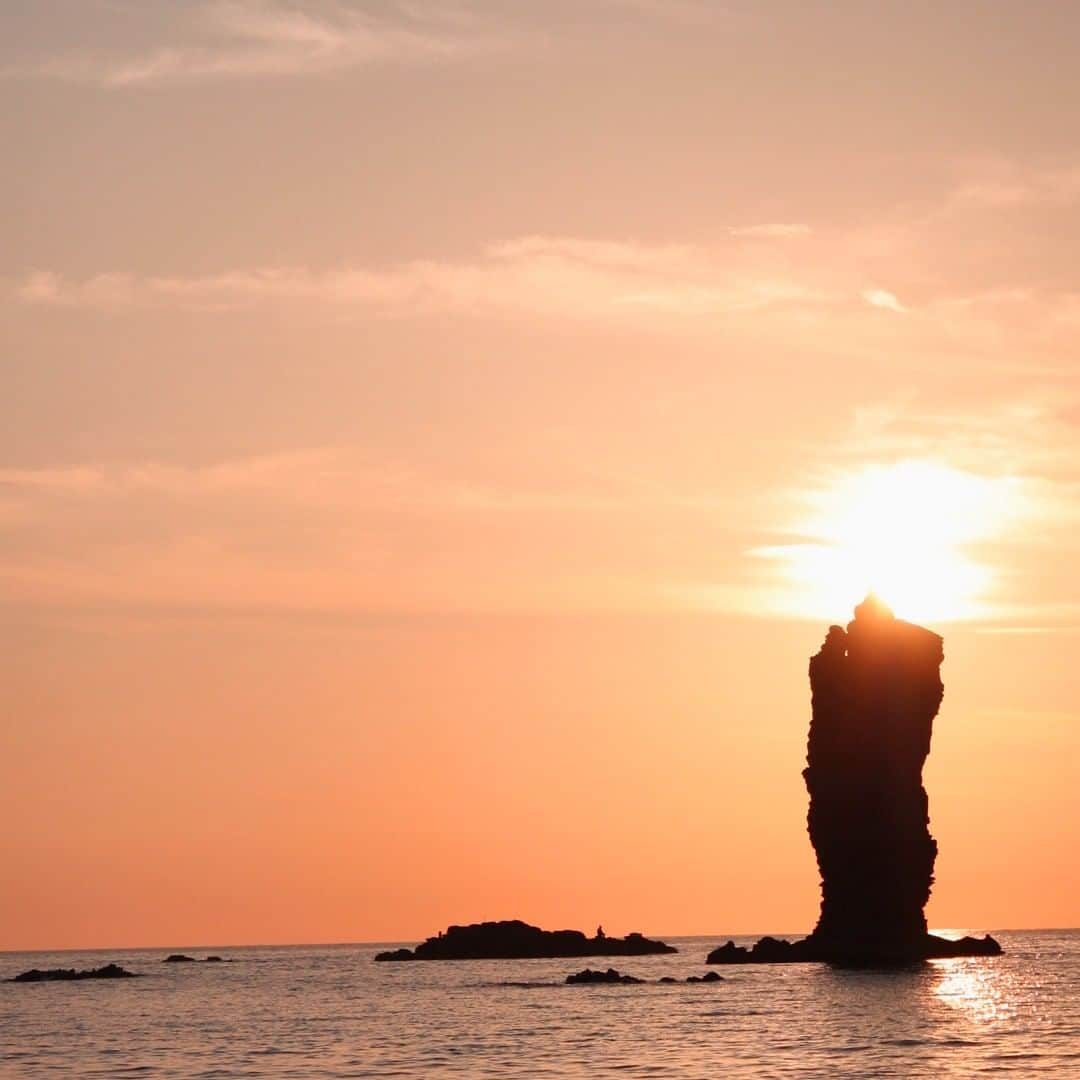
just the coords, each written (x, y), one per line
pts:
(904, 531)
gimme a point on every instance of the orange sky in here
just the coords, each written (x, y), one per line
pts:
(439, 433)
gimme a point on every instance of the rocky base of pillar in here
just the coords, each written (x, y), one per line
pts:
(810, 950)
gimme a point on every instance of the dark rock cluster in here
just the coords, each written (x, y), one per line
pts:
(609, 976)
(109, 971)
(183, 958)
(876, 689)
(396, 954)
(613, 976)
(515, 940)
(770, 950)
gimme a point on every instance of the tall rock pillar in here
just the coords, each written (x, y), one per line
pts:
(876, 690)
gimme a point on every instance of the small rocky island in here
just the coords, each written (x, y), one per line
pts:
(513, 939)
(109, 971)
(875, 690)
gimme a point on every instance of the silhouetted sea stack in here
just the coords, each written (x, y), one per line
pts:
(876, 689)
(515, 940)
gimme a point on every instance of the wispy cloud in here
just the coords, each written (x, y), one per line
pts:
(563, 275)
(882, 298)
(333, 529)
(215, 40)
(236, 39)
(771, 231)
(999, 184)
(691, 12)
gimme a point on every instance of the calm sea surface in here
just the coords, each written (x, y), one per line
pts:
(329, 1011)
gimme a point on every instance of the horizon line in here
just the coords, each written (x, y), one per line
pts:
(407, 941)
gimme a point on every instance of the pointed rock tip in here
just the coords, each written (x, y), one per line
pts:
(873, 607)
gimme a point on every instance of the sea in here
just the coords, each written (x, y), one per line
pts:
(330, 1011)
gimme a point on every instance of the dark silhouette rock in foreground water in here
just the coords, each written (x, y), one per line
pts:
(396, 954)
(109, 971)
(178, 958)
(612, 976)
(516, 940)
(609, 976)
(876, 689)
(939, 948)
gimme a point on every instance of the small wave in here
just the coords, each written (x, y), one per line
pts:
(517, 985)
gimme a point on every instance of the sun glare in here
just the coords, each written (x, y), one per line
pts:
(904, 531)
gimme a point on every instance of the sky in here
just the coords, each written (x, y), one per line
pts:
(437, 434)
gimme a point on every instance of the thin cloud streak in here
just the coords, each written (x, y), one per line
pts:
(549, 275)
(811, 295)
(1005, 184)
(238, 39)
(222, 40)
(322, 528)
(771, 231)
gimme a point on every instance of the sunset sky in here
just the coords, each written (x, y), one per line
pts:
(437, 434)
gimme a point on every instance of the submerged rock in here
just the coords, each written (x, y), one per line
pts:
(178, 958)
(516, 940)
(609, 976)
(876, 689)
(109, 971)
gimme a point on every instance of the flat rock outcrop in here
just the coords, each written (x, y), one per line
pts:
(109, 971)
(516, 940)
(876, 689)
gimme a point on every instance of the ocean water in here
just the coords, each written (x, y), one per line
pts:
(330, 1011)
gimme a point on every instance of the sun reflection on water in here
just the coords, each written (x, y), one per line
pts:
(973, 987)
